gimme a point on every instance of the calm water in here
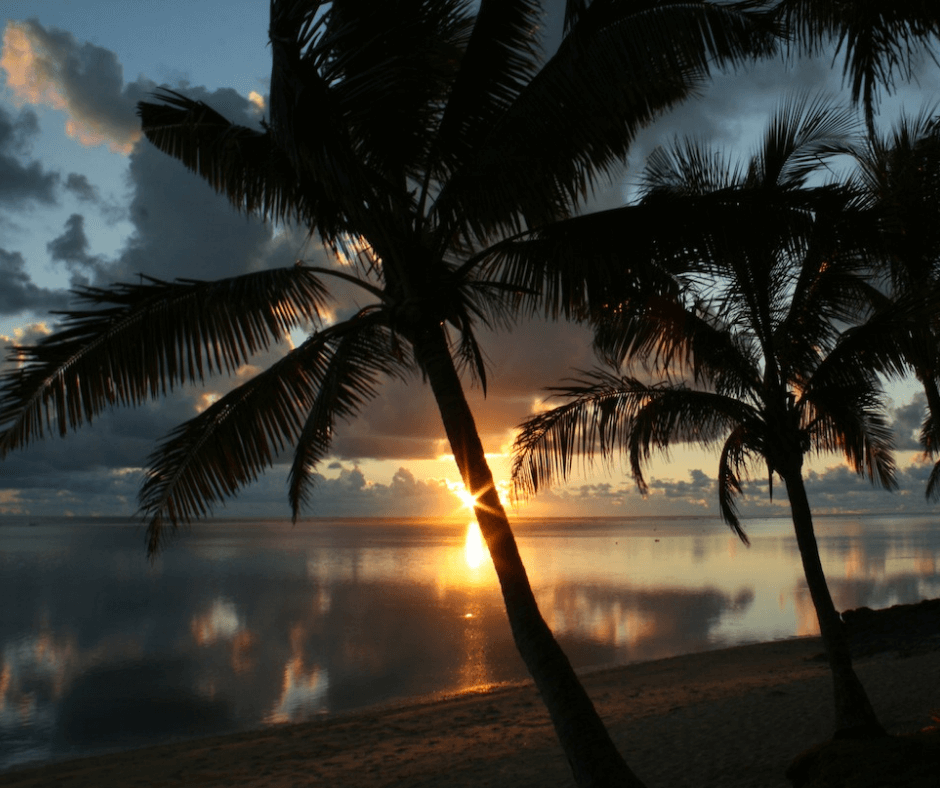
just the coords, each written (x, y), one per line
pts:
(240, 625)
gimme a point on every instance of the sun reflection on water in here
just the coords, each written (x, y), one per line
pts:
(474, 549)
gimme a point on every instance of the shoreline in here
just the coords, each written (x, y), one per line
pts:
(727, 717)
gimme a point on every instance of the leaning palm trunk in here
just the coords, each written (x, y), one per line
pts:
(854, 713)
(592, 756)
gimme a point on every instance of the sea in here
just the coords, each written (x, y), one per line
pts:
(243, 624)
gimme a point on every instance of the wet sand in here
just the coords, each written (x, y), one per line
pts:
(730, 718)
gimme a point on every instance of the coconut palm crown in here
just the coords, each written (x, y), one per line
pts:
(773, 345)
(417, 139)
(880, 42)
(899, 174)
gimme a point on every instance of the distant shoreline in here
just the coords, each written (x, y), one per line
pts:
(450, 519)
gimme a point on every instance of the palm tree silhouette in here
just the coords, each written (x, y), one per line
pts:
(879, 41)
(416, 139)
(899, 172)
(769, 345)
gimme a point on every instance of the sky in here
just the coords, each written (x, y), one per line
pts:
(84, 200)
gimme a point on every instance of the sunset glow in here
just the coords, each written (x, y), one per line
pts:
(40, 70)
(468, 500)
(474, 548)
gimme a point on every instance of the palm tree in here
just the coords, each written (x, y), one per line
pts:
(899, 172)
(768, 346)
(414, 138)
(879, 40)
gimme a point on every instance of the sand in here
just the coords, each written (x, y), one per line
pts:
(729, 718)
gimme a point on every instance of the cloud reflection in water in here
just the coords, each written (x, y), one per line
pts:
(239, 625)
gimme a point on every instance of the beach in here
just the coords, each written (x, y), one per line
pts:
(733, 718)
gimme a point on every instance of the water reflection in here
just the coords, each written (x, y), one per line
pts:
(304, 689)
(221, 623)
(474, 548)
(240, 625)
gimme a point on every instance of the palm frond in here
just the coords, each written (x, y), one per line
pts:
(933, 483)
(501, 57)
(307, 122)
(831, 287)
(228, 445)
(575, 120)
(880, 40)
(391, 68)
(885, 344)
(900, 175)
(851, 421)
(244, 164)
(573, 11)
(141, 340)
(678, 414)
(802, 136)
(353, 364)
(687, 168)
(607, 415)
(736, 454)
(675, 340)
(595, 421)
(572, 267)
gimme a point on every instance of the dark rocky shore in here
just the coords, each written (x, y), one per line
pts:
(908, 761)
(902, 628)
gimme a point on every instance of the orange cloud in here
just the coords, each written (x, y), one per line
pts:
(257, 99)
(50, 69)
(29, 74)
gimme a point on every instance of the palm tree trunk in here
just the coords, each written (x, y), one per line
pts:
(855, 716)
(592, 756)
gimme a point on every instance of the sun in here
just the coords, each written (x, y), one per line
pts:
(468, 500)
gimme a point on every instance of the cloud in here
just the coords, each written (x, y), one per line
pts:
(732, 110)
(21, 184)
(71, 248)
(700, 489)
(182, 228)
(19, 293)
(81, 187)
(257, 100)
(907, 422)
(352, 494)
(46, 66)
(117, 442)
(87, 193)
(833, 490)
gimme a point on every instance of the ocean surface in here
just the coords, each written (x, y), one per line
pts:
(244, 624)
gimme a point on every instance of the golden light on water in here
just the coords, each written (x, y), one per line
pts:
(474, 549)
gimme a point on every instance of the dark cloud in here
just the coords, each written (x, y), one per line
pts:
(115, 447)
(22, 184)
(698, 488)
(19, 293)
(17, 134)
(71, 248)
(839, 489)
(86, 192)
(351, 494)
(404, 422)
(833, 490)
(181, 227)
(732, 110)
(907, 422)
(80, 186)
